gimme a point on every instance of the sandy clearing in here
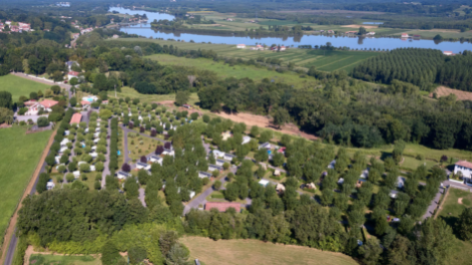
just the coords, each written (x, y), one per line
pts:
(459, 201)
(443, 91)
(265, 122)
(358, 26)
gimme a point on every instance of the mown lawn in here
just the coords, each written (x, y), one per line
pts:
(461, 254)
(250, 251)
(132, 94)
(18, 86)
(39, 259)
(19, 156)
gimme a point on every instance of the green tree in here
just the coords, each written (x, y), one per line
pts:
(261, 155)
(254, 131)
(278, 159)
(181, 97)
(6, 100)
(370, 252)
(178, 255)
(362, 31)
(464, 224)
(217, 185)
(110, 253)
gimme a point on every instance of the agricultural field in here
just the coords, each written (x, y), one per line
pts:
(18, 86)
(445, 33)
(237, 71)
(323, 60)
(132, 93)
(39, 259)
(337, 60)
(20, 154)
(251, 251)
(456, 201)
(443, 91)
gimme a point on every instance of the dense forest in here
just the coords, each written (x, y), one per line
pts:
(419, 67)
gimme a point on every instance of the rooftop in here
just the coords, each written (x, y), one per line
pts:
(48, 103)
(464, 163)
(76, 118)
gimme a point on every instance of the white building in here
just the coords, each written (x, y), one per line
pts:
(203, 175)
(156, 159)
(246, 140)
(464, 167)
(241, 46)
(144, 166)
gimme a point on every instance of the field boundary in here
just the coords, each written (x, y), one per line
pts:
(13, 220)
(440, 206)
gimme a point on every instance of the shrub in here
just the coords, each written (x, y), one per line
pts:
(70, 177)
(43, 122)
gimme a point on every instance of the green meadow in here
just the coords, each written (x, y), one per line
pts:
(323, 60)
(19, 156)
(18, 86)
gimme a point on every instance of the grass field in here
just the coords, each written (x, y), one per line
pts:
(238, 71)
(19, 156)
(39, 259)
(450, 212)
(140, 146)
(249, 251)
(18, 86)
(324, 60)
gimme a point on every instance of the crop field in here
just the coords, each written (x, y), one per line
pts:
(443, 91)
(20, 154)
(250, 251)
(323, 60)
(337, 60)
(237, 71)
(18, 86)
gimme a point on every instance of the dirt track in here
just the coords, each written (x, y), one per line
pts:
(264, 122)
(12, 225)
(443, 91)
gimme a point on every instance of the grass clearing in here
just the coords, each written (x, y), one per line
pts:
(39, 259)
(323, 60)
(237, 71)
(20, 154)
(140, 146)
(450, 212)
(250, 251)
(18, 86)
(132, 93)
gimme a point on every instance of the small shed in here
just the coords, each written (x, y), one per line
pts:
(264, 182)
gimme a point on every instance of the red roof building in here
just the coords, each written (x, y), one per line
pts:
(223, 206)
(281, 150)
(85, 102)
(73, 73)
(464, 163)
(48, 103)
(76, 118)
(30, 102)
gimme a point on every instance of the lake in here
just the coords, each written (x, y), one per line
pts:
(360, 43)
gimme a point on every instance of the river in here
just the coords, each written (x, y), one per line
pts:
(360, 43)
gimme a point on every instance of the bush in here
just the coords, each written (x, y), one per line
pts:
(70, 177)
(206, 118)
(43, 122)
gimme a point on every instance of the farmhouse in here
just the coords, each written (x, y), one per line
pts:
(405, 35)
(241, 46)
(464, 168)
(72, 74)
(223, 206)
(203, 175)
(370, 33)
(47, 104)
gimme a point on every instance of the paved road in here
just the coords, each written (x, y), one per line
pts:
(434, 204)
(106, 170)
(142, 196)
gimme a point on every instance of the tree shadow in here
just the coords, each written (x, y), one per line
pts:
(385, 155)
